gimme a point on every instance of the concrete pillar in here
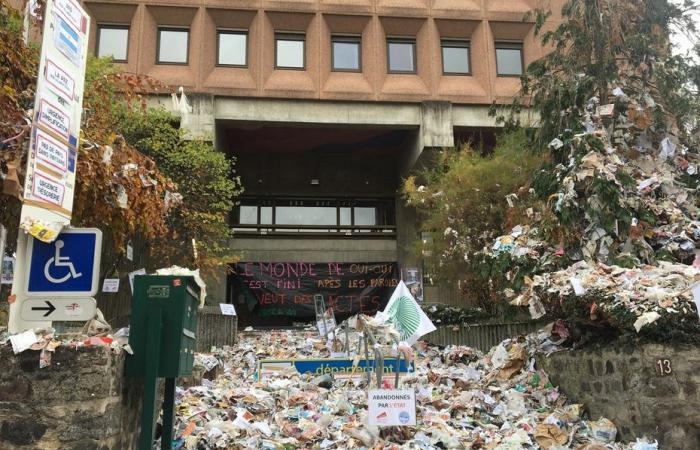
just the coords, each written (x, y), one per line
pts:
(436, 124)
(436, 131)
(200, 123)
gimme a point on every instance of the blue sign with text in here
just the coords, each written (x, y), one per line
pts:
(69, 266)
(336, 367)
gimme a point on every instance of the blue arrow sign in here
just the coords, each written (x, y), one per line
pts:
(68, 267)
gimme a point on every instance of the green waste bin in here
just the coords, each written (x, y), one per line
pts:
(163, 337)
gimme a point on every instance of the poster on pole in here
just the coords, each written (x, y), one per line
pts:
(413, 278)
(50, 175)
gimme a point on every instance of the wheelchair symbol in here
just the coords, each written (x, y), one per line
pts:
(60, 261)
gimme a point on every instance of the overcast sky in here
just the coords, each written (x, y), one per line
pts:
(682, 41)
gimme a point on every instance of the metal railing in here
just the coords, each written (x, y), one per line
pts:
(373, 231)
(368, 337)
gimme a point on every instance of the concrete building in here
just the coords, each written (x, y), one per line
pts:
(326, 105)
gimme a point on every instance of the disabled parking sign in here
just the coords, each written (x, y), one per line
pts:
(67, 267)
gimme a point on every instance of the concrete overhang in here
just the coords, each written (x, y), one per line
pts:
(317, 112)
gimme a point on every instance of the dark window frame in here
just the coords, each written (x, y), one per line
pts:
(243, 32)
(401, 40)
(291, 36)
(113, 26)
(383, 209)
(456, 43)
(510, 45)
(172, 28)
(346, 39)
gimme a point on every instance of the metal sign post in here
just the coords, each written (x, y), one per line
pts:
(56, 281)
(54, 140)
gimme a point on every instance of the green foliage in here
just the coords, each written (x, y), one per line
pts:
(601, 41)
(462, 202)
(204, 177)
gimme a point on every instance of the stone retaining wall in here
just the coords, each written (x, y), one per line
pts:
(81, 402)
(648, 390)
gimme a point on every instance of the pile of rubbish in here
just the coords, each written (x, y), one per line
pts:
(623, 216)
(465, 399)
(640, 296)
(95, 332)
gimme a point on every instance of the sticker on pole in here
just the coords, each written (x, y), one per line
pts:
(67, 267)
(59, 309)
(391, 407)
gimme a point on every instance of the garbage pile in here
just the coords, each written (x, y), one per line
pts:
(626, 197)
(95, 332)
(628, 298)
(465, 399)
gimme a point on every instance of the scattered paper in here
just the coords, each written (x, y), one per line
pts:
(23, 341)
(696, 297)
(646, 319)
(579, 290)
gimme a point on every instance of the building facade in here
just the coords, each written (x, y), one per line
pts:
(326, 105)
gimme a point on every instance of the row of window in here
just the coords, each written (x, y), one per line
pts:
(290, 51)
(314, 212)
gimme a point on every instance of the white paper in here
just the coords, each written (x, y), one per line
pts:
(646, 319)
(606, 110)
(579, 290)
(696, 297)
(646, 183)
(556, 143)
(667, 148)
(132, 275)
(227, 309)
(391, 407)
(129, 252)
(23, 341)
(110, 285)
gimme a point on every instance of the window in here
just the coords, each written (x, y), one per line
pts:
(113, 40)
(173, 45)
(289, 51)
(346, 53)
(232, 48)
(509, 59)
(322, 215)
(248, 215)
(402, 55)
(455, 57)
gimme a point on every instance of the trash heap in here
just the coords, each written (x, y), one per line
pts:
(621, 221)
(465, 399)
(95, 332)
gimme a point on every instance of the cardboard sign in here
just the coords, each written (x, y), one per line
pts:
(388, 407)
(227, 309)
(110, 285)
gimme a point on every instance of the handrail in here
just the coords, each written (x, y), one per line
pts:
(316, 230)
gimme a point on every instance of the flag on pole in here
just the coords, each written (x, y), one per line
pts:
(407, 316)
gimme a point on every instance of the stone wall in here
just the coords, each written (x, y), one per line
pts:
(648, 390)
(81, 402)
